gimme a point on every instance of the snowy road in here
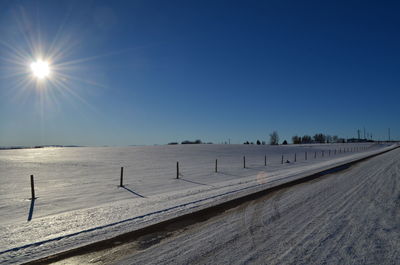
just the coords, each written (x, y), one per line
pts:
(352, 217)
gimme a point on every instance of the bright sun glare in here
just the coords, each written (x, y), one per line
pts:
(40, 69)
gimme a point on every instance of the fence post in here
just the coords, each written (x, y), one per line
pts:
(323, 153)
(216, 165)
(265, 160)
(315, 154)
(282, 160)
(32, 188)
(244, 161)
(305, 154)
(329, 152)
(295, 157)
(177, 169)
(121, 180)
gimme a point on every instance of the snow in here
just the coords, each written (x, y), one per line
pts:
(79, 200)
(351, 217)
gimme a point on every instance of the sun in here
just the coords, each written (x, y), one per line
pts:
(40, 69)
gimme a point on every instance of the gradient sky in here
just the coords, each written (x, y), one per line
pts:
(152, 72)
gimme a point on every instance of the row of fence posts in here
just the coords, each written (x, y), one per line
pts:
(353, 149)
(121, 182)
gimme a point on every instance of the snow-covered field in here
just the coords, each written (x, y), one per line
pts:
(79, 200)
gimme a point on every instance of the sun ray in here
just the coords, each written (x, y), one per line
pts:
(89, 82)
(66, 89)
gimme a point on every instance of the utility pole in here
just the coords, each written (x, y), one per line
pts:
(358, 132)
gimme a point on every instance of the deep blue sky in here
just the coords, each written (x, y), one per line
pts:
(151, 72)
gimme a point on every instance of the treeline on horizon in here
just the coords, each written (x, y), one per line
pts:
(189, 142)
(318, 138)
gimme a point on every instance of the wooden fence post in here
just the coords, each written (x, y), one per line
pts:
(121, 180)
(177, 169)
(265, 160)
(244, 161)
(32, 188)
(305, 155)
(282, 160)
(295, 157)
(216, 165)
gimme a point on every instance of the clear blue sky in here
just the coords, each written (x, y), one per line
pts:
(152, 72)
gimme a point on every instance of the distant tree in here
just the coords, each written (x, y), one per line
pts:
(274, 138)
(319, 138)
(306, 139)
(172, 143)
(247, 142)
(296, 139)
(284, 142)
(329, 139)
(335, 139)
(263, 142)
(258, 142)
(251, 143)
(192, 142)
